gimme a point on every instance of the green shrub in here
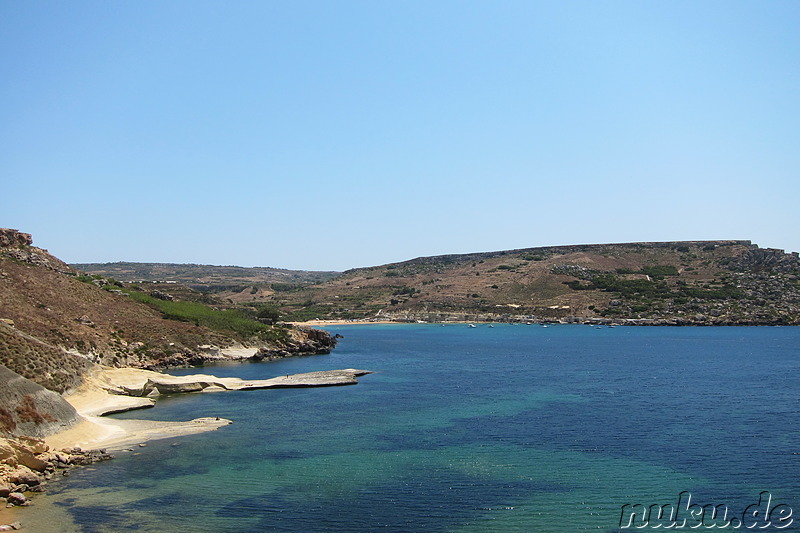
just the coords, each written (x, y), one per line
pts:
(404, 290)
(264, 313)
(223, 320)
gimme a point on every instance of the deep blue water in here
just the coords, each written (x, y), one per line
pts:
(510, 428)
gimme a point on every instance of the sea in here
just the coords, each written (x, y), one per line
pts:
(498, 428)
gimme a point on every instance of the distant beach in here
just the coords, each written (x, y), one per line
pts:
(323, 323)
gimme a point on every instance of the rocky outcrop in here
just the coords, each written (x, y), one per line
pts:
(153, 384)
(758, 260)
(19, 245)
(300, 341)
(304, 341)
(323, 378)
(27, 464)
(13, 238)
(29, 409)
(169, 386)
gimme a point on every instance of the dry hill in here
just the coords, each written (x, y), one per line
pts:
(698, 282)
(692, 282)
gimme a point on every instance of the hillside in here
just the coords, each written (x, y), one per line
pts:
(693, 282)
(55, 323)
(699, 282)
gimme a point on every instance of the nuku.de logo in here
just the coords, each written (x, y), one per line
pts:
(685, 514)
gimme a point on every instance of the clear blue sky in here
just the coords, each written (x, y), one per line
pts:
(328, 135)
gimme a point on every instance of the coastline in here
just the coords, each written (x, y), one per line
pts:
(341, 322)
(100, 395)
(113, 390)
(696, 321)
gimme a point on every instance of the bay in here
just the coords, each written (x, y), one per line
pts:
(506, 428)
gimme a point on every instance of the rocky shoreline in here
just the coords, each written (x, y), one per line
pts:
(27, 464)
(301, 341)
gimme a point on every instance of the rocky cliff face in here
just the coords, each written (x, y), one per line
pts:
(12, 238)
(757, 260)
(19, 246)
(303, 341)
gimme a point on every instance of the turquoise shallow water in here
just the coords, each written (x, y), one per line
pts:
(511, 428)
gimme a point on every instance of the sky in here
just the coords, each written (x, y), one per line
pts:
(328, 135)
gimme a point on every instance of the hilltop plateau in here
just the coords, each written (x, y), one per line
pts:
(697, 282)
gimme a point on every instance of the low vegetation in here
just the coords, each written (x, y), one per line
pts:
(653, 289)
(47, 366)
(221, 320)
